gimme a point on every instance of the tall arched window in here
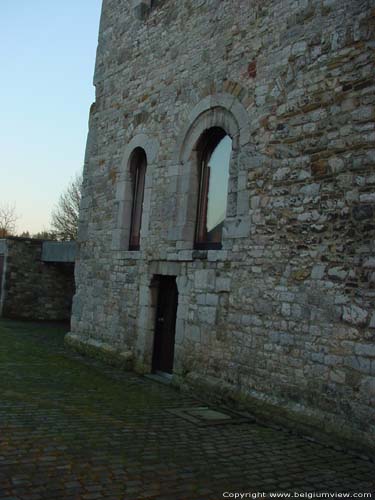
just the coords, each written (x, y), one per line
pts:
(213, 154)
(138, 164)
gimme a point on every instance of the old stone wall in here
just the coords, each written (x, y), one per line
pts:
(283, 317)
(33, 289)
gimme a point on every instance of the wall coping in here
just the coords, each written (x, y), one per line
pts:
(59, 251)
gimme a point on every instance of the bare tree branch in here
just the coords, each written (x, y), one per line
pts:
(8, 219)
(64, 219)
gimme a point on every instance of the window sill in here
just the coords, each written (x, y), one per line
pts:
(131, 254)
(199, 254)
(178, 256)
(196, 255)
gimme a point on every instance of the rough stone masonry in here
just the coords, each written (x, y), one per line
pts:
(36, 279)
(282, 318)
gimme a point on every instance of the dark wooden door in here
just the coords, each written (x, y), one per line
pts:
(165, 326)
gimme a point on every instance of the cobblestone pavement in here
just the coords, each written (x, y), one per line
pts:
(74, 429)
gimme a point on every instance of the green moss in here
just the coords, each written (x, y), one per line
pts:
(38, 371)
(103, 352)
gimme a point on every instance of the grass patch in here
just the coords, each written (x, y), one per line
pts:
(34, 364)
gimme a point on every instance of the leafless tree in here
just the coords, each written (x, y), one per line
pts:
(64, 219)
(8, 219)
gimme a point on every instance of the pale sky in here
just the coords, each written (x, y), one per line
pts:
(47, 56)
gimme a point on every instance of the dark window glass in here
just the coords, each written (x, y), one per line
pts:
(138, 173)
(214, 158)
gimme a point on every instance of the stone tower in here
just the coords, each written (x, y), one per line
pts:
(265, 295)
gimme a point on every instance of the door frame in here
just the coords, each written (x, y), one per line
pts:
(162, 283)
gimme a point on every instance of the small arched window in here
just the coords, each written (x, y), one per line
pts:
(213, 154)
(138, 164)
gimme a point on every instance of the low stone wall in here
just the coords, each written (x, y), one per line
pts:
(33, 289)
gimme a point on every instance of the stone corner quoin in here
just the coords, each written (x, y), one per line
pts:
(282, 316)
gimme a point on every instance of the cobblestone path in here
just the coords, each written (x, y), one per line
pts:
(74, 429)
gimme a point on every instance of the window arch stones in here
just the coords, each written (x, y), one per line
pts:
(220, 112)
(141, 148)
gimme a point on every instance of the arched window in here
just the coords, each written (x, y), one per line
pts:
(138, 164)
(213, 153)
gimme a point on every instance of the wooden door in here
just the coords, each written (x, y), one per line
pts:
(165, 326)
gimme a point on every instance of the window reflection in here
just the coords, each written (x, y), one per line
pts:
(218, 175)
(212, 206)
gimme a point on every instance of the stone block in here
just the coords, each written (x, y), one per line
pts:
(223, 284)
(212, 299)
(205, 279)
(237, 228)
(358, 363)
(217, 255)
(367, 350)
(180, 331)
(144, 296)
(368, 387)
(362, 212)
(141, 8)
(194, 333)
(285, 309)
(367, 198)
(318, 271)
(354, 315)
(311, 189)
(201, 299)
(242, 203)
(338, 376)
(337, 272)
(58, 251)
(207, 315)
